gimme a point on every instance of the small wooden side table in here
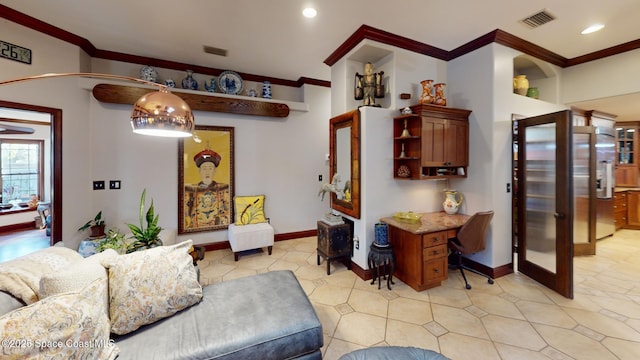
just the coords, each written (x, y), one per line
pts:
(334, 242)
(382, 262)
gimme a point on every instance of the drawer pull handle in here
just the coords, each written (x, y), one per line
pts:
(437, 271)
(434, 239)
(435, 252)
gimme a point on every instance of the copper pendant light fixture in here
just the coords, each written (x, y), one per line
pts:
(157, 113)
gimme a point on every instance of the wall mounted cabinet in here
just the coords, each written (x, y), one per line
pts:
(627, 154)
(431, 143)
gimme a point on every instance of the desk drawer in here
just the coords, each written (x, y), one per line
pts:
(434, 239)
(434, 252)
(435, 270)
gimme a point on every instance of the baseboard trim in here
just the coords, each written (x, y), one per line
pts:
(30, 225)
(278, 237)
(360, 272)
(489, 271)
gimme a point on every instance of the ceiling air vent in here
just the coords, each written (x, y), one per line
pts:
(540, 18)
(214, 50)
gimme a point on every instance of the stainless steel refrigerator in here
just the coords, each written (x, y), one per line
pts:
(605, 181)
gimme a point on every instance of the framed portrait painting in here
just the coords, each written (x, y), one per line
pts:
(206, 179)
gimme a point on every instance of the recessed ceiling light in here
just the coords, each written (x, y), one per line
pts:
(592, 29)
(309, 12)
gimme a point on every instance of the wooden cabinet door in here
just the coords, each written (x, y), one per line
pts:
(456, 138)
(408, 252)
(445, 142)
(433, 141)
(626, 175)
(633, 208)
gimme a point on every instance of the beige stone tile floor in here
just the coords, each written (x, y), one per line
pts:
(515, 318)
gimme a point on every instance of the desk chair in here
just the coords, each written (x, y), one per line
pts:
(470, 240)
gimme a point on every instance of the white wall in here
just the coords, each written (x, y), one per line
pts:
(381, 194)
(482, 81)
(610, 76)
(280, 158)
(51, 55)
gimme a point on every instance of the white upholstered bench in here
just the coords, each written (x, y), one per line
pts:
(251, 236)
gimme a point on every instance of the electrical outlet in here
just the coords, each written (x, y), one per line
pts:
(356, 242)
(508, 188)
(320, 177)
(114, 184)
(98, 185)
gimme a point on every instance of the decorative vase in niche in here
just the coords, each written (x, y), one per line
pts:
(170, 83)
(252, 92)
(427, 96)
(189, 82)
(520, 84)
(440, 98)
(212, 86)
(533, 92)
(266, 90)
(382, 234)
(148, 73)
(451, 203)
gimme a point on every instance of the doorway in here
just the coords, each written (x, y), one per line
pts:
(55, 162)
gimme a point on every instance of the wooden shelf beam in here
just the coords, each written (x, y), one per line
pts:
(121, 94)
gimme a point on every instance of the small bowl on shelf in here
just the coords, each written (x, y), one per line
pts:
(6, 206)
(23, 205)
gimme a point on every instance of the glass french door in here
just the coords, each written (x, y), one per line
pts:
(545, 200)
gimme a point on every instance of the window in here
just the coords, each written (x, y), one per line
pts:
(22, 169)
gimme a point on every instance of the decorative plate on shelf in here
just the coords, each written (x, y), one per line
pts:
(229, 82)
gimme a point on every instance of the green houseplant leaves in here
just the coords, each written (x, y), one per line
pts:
(145, 237)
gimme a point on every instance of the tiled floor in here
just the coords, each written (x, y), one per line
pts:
(513, 319)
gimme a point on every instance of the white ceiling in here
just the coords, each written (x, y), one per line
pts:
(272, 38)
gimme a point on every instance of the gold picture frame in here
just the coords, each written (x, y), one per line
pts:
(206, 179)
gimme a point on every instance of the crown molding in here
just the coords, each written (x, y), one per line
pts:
(363, 32)
(60, 34)
(385, 37)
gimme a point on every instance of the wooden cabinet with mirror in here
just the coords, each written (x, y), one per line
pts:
(431, 143)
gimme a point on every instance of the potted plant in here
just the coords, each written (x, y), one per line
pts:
(113, 240)
(145, 237)
(96, 225)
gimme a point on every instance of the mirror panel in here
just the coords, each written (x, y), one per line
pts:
(343, 162)
(344, 150)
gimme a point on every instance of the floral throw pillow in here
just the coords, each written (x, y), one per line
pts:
(249, 209)
(71, 325)
(149, 285)
(21, 277)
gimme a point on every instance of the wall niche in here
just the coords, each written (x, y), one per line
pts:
(541, 75)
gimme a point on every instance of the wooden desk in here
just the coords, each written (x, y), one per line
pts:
(421, 247)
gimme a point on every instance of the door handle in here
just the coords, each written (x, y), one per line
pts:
(558, 215)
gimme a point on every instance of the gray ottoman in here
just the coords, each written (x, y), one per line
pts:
(262, 317)
(393, 353)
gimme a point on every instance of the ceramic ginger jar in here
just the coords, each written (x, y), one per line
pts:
(452, 201)
(189, 82)
(520, 84)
